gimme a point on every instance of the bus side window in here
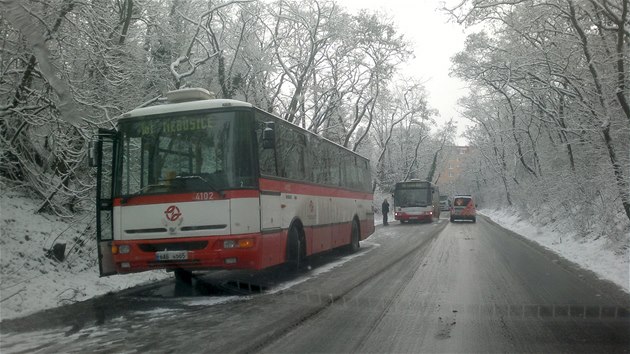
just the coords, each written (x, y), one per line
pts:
(316, 161)
(291, 148)
(357, 172)
(348, 172)
(366, 176)
(301, 163)
(327, 168)
(266, 157)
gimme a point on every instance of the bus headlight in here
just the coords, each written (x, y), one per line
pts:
(124, 249)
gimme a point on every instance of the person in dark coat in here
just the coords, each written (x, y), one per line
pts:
(385, 211)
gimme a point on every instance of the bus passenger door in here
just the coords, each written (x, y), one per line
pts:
(270, 216)
(102, 156)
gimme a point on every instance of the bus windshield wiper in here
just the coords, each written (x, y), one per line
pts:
(141, 191)
(169, 185)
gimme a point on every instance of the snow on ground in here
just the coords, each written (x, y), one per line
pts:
(595, 254)
(378, 218)
(31, 281)
(366, 246)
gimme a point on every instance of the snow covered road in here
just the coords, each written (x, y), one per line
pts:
(439, 287)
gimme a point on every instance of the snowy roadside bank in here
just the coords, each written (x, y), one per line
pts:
(592, 253)
(30, 280)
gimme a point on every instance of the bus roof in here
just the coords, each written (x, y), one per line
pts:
(183, 107)
(198, 101)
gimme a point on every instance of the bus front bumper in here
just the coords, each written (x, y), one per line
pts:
(212, 252)
(425, 216)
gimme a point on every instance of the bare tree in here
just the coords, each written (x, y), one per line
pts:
(560, 67)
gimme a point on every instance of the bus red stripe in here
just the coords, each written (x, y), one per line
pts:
(309, 189)
(186, 197)
(265, 184)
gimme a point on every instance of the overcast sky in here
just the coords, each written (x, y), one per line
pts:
(435, 41)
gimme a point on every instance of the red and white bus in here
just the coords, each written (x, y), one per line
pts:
(200, 183)
(416, 200)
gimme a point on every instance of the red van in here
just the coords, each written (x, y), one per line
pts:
(463, 208)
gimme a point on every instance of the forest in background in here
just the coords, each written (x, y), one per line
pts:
(548, 79)
(69, 67)
(550, 101)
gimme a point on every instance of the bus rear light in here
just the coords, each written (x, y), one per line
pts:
(230, 260)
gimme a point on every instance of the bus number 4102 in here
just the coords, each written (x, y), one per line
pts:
(204, 196)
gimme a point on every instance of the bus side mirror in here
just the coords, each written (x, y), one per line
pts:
(93, 150)
(269, 136)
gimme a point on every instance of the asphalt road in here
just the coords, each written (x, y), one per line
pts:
(438, 287)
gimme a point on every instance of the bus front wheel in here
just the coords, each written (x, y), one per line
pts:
(183, 276)
(183, 282)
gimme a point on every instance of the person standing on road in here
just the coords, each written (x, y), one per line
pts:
(385, 210)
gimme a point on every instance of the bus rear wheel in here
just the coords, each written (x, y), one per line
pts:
(355, 235)
(296, 251)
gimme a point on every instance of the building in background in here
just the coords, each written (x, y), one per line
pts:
(452, 168)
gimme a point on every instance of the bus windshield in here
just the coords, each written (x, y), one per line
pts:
(189, 152)
(412, 197)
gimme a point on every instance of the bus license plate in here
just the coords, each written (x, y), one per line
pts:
(171, 255)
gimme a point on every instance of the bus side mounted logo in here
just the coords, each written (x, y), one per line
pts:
(172, 213)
